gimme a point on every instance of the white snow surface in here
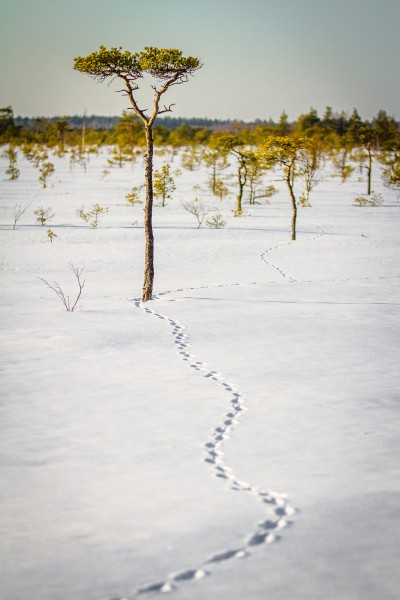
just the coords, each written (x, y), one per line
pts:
(237, 437)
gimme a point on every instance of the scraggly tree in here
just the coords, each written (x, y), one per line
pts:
(391, 175)
(168, 67)
(231, 144)
(216, 162)
(367, 139)
(286, 153)
(311, 158)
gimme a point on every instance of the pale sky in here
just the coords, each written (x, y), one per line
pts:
(260, 56)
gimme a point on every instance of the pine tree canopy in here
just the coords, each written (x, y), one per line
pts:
(161, 63)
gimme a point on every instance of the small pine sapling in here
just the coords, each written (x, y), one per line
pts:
(120, 156)
(40, 158)
(270, 191)
(28, 150)
(37, 155)
(230, 144)
(93, 214)
(77, 156)
(373, 200)
(219, 188)
(12, 170)
(43, 215)
(133, 197)
(340, 163)
(191, 158)
(164, 184)
(391, 175)
(304, 200)
(216, 222)
(51, 235)
(216, 162)
(255, 172)
(46, 169)
(310, 158)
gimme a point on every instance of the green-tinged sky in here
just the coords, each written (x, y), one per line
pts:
(260, 56)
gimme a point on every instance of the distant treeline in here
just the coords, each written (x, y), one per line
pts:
(102, 123)
(332, 130)
(299, 147)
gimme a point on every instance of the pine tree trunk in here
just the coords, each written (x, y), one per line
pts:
(242, 176)
(252, 192)
(214, 178)
(83, 133)
(148, 221)
(294, 218)
(239, 202)
(289, 181)
(369, 171)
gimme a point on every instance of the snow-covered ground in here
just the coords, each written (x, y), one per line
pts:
(237, 437)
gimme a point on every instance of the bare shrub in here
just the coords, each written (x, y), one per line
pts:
(197, 208)
(19, 211)
(69, 306)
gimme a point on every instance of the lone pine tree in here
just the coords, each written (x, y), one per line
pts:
(168, 67)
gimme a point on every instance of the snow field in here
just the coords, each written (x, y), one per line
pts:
(116, 482)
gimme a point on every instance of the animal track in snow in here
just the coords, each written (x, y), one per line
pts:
(276, 504)
(264, 255)
(279, 509)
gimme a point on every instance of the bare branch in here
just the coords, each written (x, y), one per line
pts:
(57, 289)
(77, 272)
(159, 93)
(19, 210)
(130, 90)
(60, 293)
(198, 209)
(166, 109)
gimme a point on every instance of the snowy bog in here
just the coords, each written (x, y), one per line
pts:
(236, 437)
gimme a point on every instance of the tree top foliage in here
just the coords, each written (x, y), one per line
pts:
(226, 142)
(161, 63)
(282, 149)
(109, 63)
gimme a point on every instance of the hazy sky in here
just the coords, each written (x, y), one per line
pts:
(260, 56)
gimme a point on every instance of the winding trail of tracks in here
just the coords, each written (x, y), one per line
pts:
(278, 510)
